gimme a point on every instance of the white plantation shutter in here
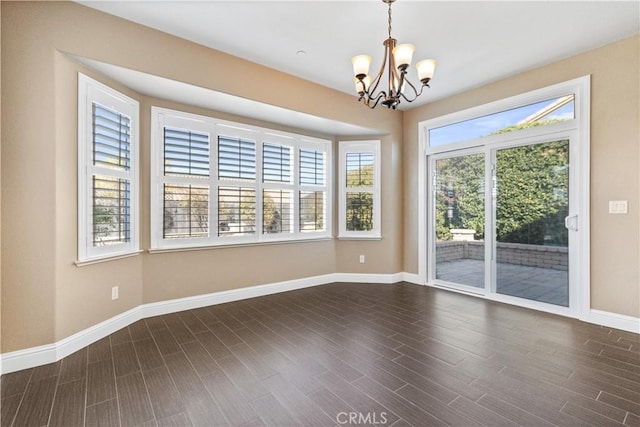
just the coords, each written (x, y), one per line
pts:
(107, 172)
(221, 183)
(278, 189)
(186, 211)
(313, 195)
(111, 149)
(111, 138)
(313, 209)
(236, 158)
(111, 210)
(359, 206)
(312, 167)
(276, 161)
(186, 201)
(186, 152)
(236, 211)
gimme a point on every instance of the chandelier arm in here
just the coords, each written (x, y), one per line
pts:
(378, 98)
(415, 91)
(376, 81)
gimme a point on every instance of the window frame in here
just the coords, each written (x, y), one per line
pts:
(502, 105)
(91, 91)
(161, 117)
(345, 148)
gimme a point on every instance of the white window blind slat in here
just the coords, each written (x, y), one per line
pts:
(111, 210)
(312, 210)
(236, 158)
(186, 153)
(186, 211)
(277, 211)
(111, 137)
(312, 167)
(236, 211)
(276, 163)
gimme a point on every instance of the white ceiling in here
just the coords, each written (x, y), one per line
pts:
(475, 42)
(160, 87)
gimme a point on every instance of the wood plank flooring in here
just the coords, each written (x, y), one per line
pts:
(340, 354)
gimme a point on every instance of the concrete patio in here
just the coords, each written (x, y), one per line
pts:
(547, 285)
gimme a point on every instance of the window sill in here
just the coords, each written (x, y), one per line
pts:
(235, 245)
(106, 258)
(359, 237)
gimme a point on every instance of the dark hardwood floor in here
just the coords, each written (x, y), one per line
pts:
(340, 354)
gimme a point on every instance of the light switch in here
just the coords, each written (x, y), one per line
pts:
(618, 207)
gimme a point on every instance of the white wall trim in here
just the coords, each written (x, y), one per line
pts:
(189, 303)
(49, 353)
(412, 278)
(614, 320)
(368, 278)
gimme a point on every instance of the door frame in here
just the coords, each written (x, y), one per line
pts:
(578, 128)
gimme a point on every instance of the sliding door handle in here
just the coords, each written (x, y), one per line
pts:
(571, 222)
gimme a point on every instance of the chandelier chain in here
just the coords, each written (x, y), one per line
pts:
(389, 19)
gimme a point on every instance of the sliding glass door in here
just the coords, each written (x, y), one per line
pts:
(501, 220)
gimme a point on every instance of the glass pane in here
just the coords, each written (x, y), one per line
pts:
(277, 211)
(186, 153)
(540, 113)
(236, 159)
(359, 215)
(236, 211)
(276, 160)
(532, 202)
(460, 221)
(111, 210)
(312, 210)
(186, 211)
(359, 170)
(111, 138)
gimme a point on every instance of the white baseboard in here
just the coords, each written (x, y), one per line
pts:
(189, 303)
(49, 353)
(614, 320)
(367, 278)
(412, 278)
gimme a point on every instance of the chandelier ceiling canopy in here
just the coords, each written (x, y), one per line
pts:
(396, 61)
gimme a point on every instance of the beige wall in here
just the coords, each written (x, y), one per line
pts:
(615, 142)
(45, 297)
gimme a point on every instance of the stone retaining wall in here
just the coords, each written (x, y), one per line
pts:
(509, 253)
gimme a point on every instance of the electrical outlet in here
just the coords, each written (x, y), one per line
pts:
(114, 293)
(618, 207)
(361, 259)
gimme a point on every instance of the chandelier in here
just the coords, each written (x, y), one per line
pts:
(399, 57)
